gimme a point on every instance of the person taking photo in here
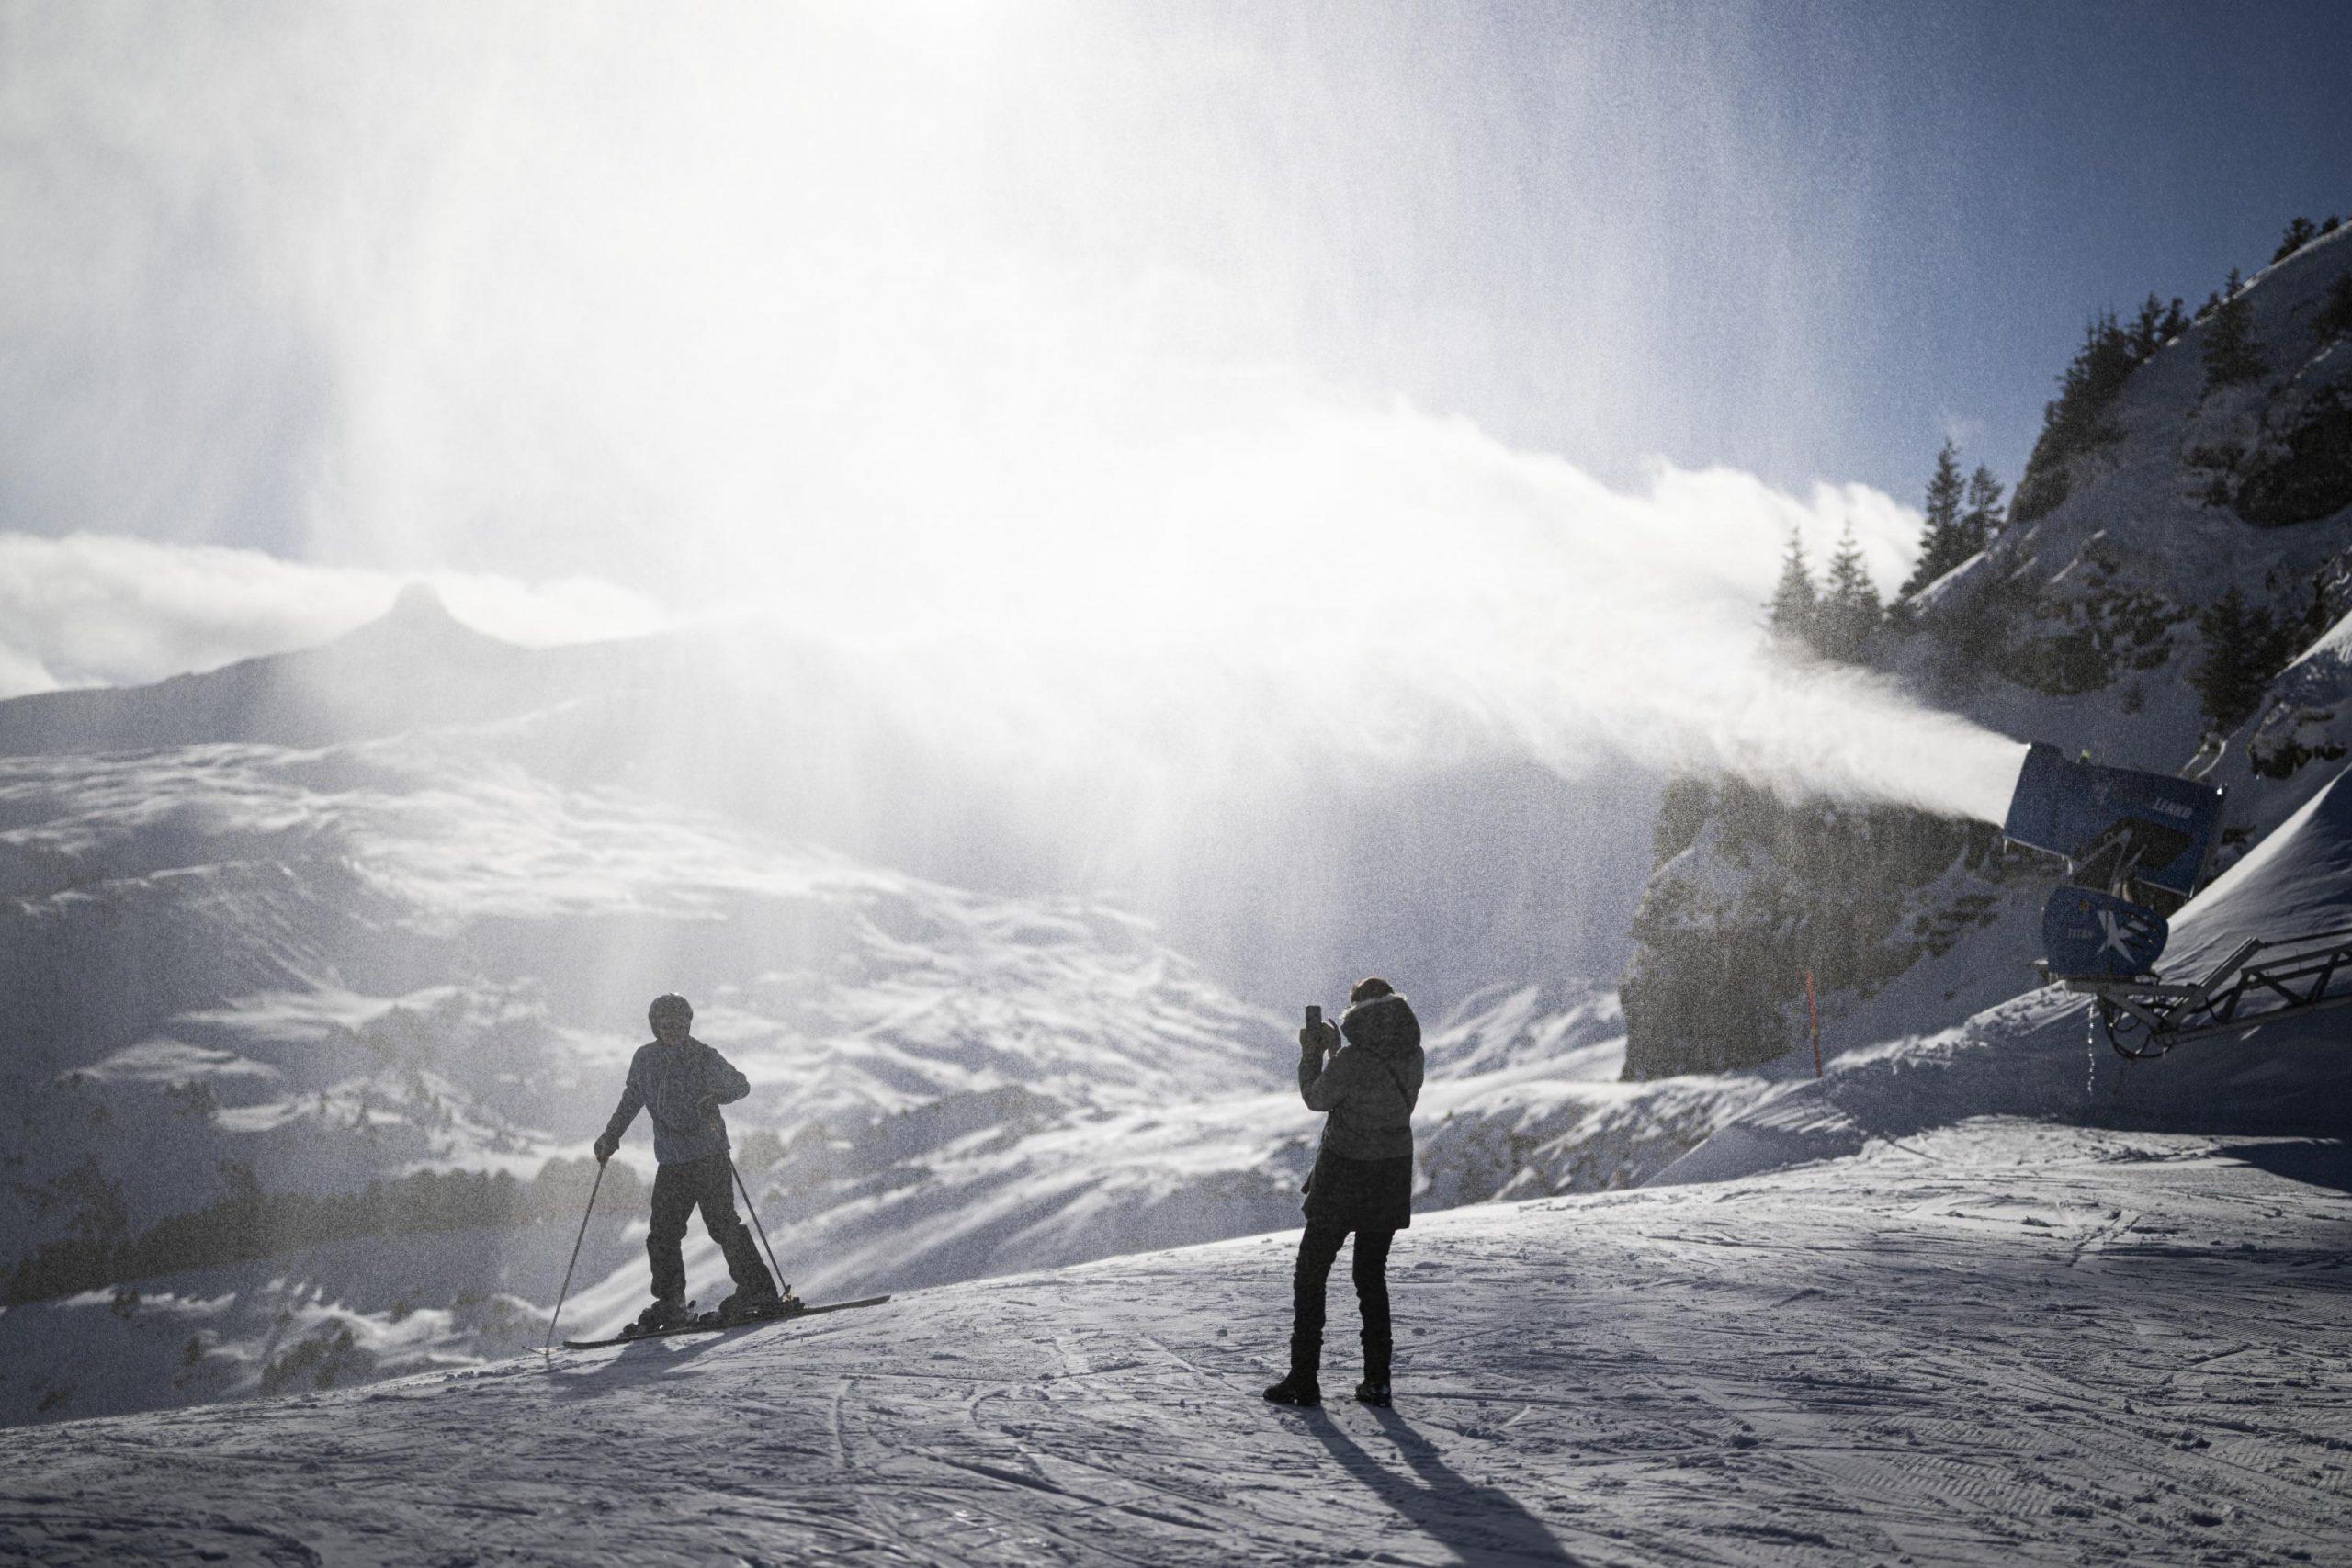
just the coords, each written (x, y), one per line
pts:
(1363, 1181)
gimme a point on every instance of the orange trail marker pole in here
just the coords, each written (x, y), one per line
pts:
(1813, 1019)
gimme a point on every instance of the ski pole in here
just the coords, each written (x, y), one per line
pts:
(754, 1212)
(566, 1289)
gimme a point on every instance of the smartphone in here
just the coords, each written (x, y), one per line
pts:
(1313, 1014)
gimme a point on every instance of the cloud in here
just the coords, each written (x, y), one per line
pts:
(104, 610)
(1963, 430)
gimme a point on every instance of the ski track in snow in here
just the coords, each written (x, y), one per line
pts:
(2004, 1341)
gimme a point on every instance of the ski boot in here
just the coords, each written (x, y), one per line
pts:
(664, 1313)
(1305, 1393)
(752, 1303)
(1379, 1352)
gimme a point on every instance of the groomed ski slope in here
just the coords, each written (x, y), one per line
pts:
(2002, 1341)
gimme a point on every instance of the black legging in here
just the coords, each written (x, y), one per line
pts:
(1317, 1250)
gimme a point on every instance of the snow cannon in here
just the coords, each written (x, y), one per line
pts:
(2135, 843)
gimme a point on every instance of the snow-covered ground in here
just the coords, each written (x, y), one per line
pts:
(2001, 1341)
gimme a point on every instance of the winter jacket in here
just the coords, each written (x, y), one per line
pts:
(1359, 1195)
(1371, 1084)
(672, 1082)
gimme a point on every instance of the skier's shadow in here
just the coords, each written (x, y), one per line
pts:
(641, 1361)
(1477, 1524)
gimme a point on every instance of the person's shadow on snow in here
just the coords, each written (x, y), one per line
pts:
(1477, 1524)
(644, 1360)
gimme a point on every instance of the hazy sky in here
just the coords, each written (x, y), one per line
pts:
(277, 271)
(1216, 324)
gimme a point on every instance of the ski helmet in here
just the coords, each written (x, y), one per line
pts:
(671, 1005)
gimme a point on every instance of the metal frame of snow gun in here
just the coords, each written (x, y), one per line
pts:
(2146, 1018)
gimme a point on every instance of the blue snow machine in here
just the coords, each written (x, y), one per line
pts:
(2137, 844)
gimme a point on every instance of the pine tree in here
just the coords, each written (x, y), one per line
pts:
(2334, 318)
(2175, 321)
(1795, 603)
(2298, 233)
(2244, 649)
(2075, 420)
(1941, 546)
(1849, 610)
(2147, 328)
(2230, 351)
(1982, 519)
(2219, 676)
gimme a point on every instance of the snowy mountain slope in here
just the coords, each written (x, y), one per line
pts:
(245, 977)
(2005, 1342)
(335, 920)
(330, 1316)
(389, 953)
(309, 969)
(2080, 625)
(1273, 866)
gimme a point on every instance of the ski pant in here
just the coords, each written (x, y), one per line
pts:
(678, 1191)
(1317, 1251)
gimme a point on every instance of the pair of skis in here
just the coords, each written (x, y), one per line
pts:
(709, 1322)
(712, 1323)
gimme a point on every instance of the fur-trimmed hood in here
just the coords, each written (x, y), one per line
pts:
(1384, 1025)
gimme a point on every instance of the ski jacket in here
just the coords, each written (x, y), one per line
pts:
(1371, 1084)
(672, 1081)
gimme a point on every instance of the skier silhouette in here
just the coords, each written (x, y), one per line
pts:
(683, 1082)
(1362, 1179)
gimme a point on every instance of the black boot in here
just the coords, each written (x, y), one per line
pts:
(756, 1300)
(1300, 1389)
(1303, 1387)
(1377, 1351)
(663, 1312)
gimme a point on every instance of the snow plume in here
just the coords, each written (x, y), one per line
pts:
(1318, 577)
(102, 610)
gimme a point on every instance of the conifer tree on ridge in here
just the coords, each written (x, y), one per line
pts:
(1942, 541)
(2230, 351)
(1849, 610)
(1795, 601)
(1982, 518)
